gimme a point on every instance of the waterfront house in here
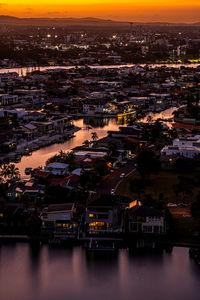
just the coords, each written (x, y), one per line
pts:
(58, 221)
(30, 131)
(148, 220)
(102, 216)
(57, 168)
(6, 99)
(93, 106)
(124, 132)
(44, 127)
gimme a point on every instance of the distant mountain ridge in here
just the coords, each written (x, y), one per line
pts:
(87, 21)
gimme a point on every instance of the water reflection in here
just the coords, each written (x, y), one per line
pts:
(25, 70)
(60, 273)
(96, 122)
(100, 125)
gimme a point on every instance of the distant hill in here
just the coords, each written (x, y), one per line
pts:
(9, 20)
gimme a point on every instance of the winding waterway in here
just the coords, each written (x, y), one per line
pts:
(25, 70)
(73, 274)
(99, 125)
(39, 157)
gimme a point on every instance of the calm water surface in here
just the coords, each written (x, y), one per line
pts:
(98, 125)
(23, 71)
(73, 274)
(39, 157)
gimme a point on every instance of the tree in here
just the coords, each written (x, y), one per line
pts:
(4, 171)
(137, 186)
(147, 163)
(62, 157)
(86, 143)
(101, 166)
(9, 171)
(13, 171)
(94, 136)
(89, 179)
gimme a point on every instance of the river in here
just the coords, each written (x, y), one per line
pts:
(99, 125)
(39, 157)
(25, 70)
(73, 274)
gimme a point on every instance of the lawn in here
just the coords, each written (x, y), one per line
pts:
(185, 230)
(161, 182)
(185, 227)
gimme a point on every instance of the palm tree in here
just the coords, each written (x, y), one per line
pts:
(62, 154)
(4, 171)
(94, 136)
(86, 143)
(13, 171)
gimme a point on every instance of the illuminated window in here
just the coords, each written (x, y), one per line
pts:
(65, 225)
(91, 215)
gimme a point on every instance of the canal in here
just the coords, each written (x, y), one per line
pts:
(73, 274)
(88, 125)
(98, 125)
(22, 71)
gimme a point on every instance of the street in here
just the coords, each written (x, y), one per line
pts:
(112, 180)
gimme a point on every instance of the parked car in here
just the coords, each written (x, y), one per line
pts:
(112, 192)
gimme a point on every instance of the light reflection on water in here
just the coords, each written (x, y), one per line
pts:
(39, 157)
(24, 70)
(72, 274)
(100, 125)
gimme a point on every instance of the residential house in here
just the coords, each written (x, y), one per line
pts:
(57, 168)
(148, 220)
(102, 215)
(58, 221)
(93, 106)
(6, 99)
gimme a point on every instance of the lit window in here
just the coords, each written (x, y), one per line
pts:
(91, 215)
(65, 225)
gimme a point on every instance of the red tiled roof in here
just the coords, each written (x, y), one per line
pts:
(82, 159)
(132, 140)
(181, 92)
(56, 180)
(42, 174)
(65, 180)
(185, 126)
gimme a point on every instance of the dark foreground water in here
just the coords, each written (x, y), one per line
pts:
(73, 274)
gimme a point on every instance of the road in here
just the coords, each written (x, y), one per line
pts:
(112, 180)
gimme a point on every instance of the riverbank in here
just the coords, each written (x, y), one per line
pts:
(22, 71)
(28, 147)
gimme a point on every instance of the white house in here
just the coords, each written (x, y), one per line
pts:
(57, 168)
(146, 220)
(188, 152)
(187, 141)
(59, 212)
(187, 147)
(6, 99)
(92, 106)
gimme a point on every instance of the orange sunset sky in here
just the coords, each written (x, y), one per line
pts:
(132, 10)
